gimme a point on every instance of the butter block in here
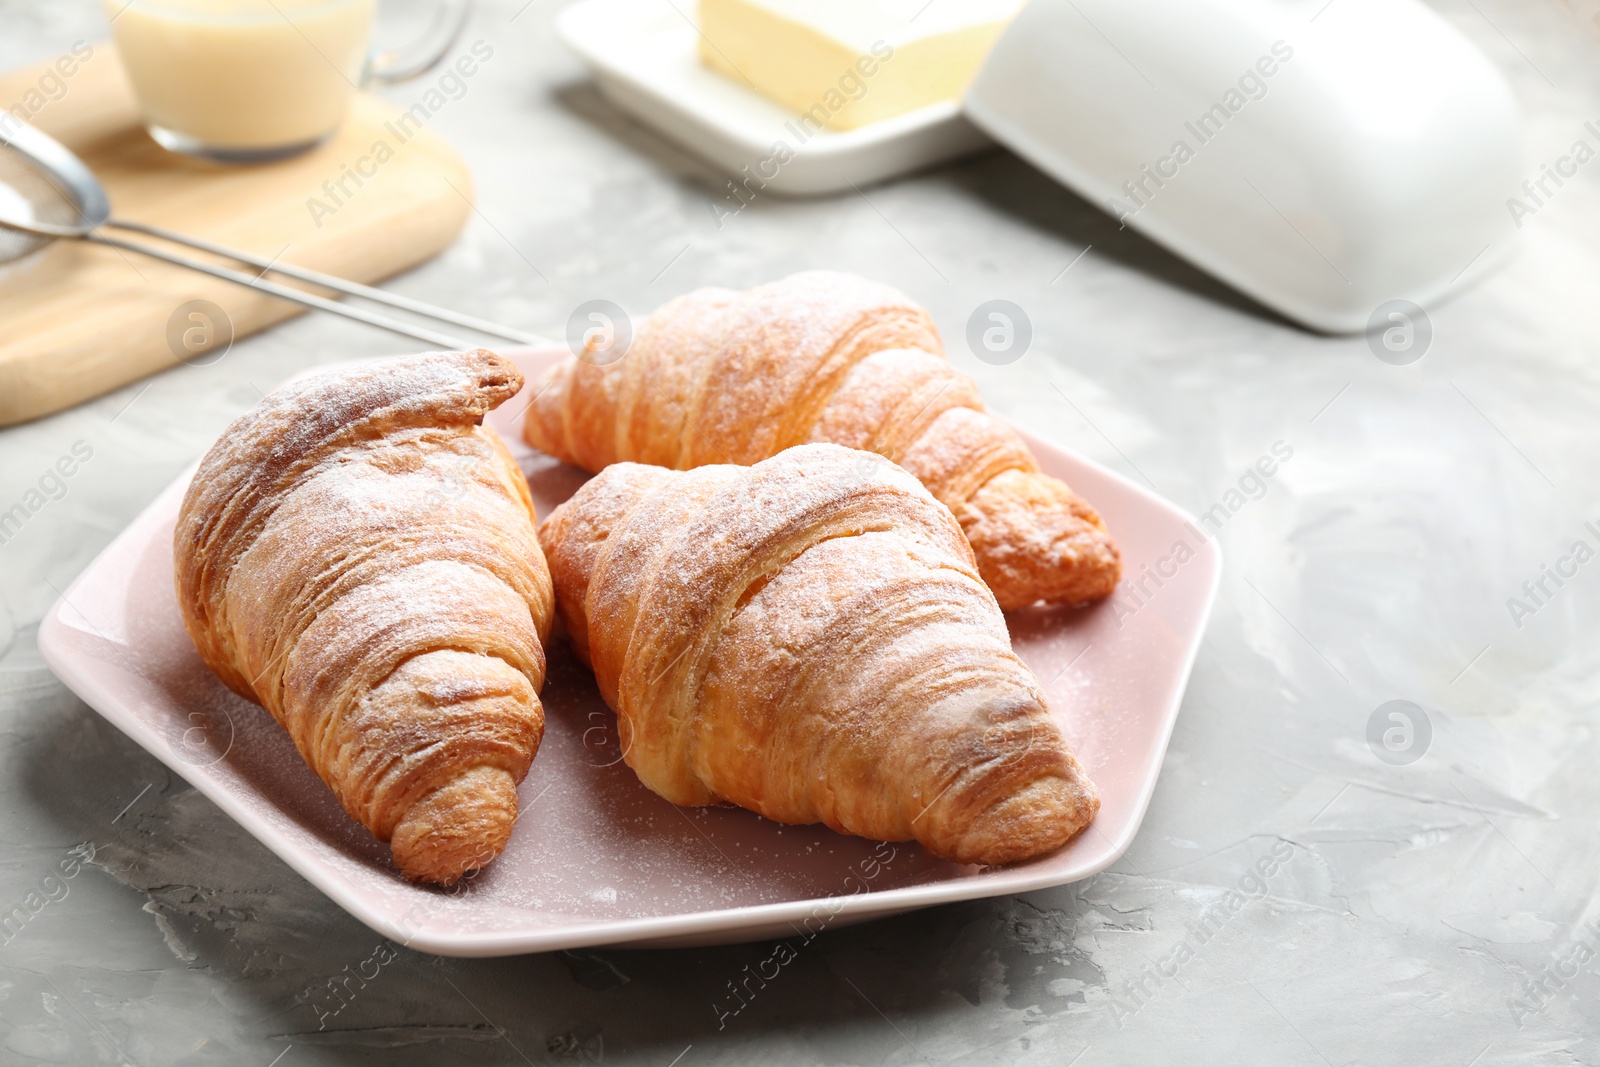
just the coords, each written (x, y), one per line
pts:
(843, 64)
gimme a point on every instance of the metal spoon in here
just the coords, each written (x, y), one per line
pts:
(33, 222)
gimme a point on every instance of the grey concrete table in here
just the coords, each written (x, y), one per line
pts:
(1443, 911)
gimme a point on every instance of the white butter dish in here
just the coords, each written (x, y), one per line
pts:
(644, 54)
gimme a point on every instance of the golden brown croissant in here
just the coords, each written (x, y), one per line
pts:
(808, 638)
(358, 555)
(719, 376)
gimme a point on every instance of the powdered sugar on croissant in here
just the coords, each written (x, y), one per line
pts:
(719, 376)
(808, 638)
(358, 555)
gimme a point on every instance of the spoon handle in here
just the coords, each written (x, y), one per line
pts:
(341, 285)
(284, 292)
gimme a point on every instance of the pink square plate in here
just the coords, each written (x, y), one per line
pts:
(596, 858)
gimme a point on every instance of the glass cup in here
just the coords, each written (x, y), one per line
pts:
(246, 81)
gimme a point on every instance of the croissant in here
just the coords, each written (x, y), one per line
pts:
(808, 638)
(358, 555)
(719, 376)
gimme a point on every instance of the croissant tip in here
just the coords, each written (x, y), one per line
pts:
(457, 828)
(498, 377)
(1037, 819)
(1036, 540)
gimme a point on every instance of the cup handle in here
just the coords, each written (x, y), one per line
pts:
(395, 65)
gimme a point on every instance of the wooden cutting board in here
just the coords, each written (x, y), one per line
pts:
(77, 320)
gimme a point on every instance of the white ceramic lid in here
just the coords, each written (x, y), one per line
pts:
(1325, 158)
